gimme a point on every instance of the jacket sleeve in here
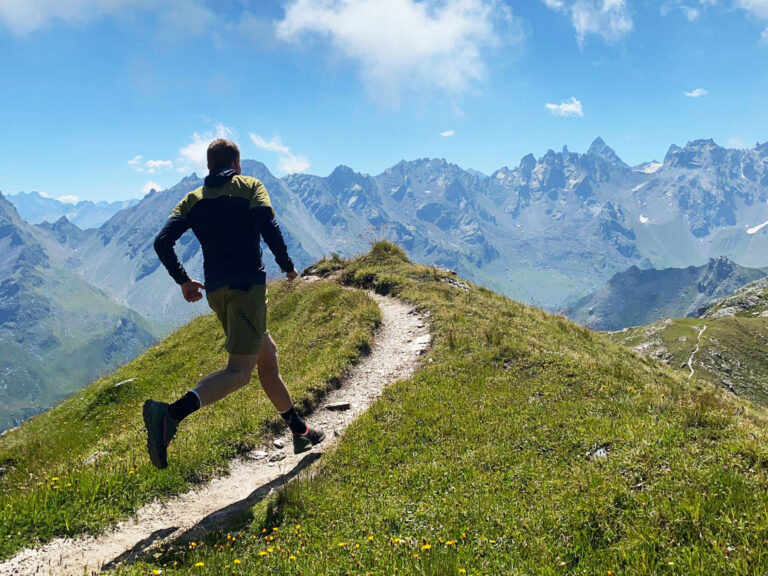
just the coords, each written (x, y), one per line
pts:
(264, 223)
(165, 240)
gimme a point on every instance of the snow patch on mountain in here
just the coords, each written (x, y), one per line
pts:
(756, 229)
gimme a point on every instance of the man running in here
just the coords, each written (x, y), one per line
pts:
(228, 215)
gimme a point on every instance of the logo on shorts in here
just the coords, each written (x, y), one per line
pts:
(247, 320)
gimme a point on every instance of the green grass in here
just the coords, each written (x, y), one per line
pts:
(485, 461)
(733, 352)
(48, 491)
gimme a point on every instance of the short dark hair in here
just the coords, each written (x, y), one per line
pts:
(222, 153)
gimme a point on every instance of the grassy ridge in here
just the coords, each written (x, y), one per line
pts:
(48, 490)
(526, 445)
(733, 350)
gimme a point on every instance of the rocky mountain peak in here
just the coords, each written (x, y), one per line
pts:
(601, 150)
(695, 154)
(527, 163)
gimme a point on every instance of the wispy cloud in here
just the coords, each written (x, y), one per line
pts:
(736, 142)
(149, 186)
(287, 161)
(195, 154)
(757, 8)
(570, 107)
(609, 19)
(69, 199)
(764, 36)
(407, 45)
(448, 133)
(151, 166)
(698, 93)
(24, 16)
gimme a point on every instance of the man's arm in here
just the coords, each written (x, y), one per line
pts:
(264, 219)
(165, 240)
(264, 222)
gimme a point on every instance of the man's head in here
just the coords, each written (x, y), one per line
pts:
(223, 154)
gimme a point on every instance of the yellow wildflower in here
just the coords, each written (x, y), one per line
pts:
(199, 564)
(262, 553)
(291, 557)
(426, 547)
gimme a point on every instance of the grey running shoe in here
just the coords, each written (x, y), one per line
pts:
(160, 429)
(304, 442)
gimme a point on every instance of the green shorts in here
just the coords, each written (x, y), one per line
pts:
(243, 315)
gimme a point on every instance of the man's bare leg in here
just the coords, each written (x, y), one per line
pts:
(272, 382)
(221, 384)
(270, 378)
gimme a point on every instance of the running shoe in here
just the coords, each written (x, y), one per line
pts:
(304, 442)
(160, 429)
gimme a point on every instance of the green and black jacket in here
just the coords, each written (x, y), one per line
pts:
(229, 215)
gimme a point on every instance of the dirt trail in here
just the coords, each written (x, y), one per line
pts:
(698, 343)
(403, 337)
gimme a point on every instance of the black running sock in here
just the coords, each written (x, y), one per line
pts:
(294, 421)
(184, 406)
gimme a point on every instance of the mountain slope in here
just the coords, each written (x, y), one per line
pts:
(57, 332)
(726, 346)
(527, 445)
(524, 444)
(637, 297)
(94, 441)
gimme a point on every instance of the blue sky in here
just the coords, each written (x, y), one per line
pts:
(101, 99)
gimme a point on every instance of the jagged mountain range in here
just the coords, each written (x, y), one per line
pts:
(549, 231)
(36, 208)
(637, 297)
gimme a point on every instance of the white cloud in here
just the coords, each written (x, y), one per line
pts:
(448, 133)
(288, 162)
(149, 186)
(69, 199)
(691, 13)
(407, 45)
(758, 8)
(607, 18)
(195, 153)
(737, 143)
(698, 93)
(151, 166)
(570, 107)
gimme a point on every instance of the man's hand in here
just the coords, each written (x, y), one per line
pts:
(292, 275)
(191, 290)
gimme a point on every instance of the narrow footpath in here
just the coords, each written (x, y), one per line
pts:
(698, 343)
(398, 344)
